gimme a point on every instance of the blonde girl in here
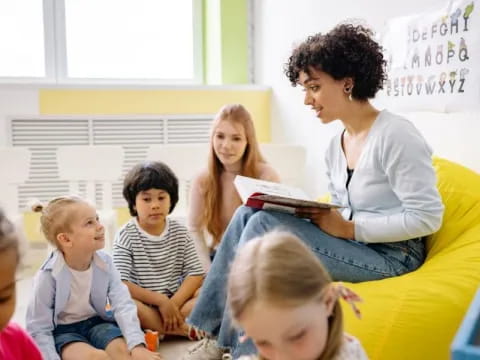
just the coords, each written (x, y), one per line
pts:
(234, 150)
(284, 299)
(80, 309)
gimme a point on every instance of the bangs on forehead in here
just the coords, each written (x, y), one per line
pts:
(150, 179)
(147, 191)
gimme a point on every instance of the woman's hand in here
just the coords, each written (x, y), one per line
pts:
(172, 318)
(330, 221)
(141, 353)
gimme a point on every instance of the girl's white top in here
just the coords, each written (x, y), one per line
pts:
(351, 350)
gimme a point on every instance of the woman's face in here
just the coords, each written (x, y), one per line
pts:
(229, 143)
(285, 332)
(324, 94)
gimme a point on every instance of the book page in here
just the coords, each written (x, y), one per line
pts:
(247, 186)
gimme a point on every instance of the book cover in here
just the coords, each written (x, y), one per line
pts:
(262, 194)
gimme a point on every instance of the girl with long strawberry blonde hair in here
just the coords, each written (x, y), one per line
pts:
(234, 150)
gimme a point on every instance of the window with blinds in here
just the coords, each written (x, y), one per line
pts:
(42, 136)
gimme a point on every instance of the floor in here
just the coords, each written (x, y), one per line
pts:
(171, 349)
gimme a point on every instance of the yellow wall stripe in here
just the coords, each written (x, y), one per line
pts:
(120, 102)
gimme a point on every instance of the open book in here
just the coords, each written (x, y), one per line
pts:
(261, 194)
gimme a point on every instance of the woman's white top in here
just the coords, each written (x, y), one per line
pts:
(392, 195)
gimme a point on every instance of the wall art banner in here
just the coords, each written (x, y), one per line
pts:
(433, 59)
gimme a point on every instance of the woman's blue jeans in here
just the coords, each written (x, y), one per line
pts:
(346, 260)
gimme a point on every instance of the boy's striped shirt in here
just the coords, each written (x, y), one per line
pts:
(157, 263)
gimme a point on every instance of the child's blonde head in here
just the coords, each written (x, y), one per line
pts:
(57, 216)
(279, 269)
(237, 114)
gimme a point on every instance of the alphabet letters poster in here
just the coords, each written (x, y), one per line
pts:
(433, 59)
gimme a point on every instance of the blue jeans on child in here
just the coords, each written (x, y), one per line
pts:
(94, 331)
(346, 260)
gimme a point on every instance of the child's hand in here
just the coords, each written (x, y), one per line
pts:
(142, 353)
(172, 318)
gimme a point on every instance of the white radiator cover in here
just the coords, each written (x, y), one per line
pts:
(42, 135)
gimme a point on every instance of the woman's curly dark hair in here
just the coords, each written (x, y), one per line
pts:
(346, 51)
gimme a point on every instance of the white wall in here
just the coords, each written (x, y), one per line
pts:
(280, 24)
(20, 100)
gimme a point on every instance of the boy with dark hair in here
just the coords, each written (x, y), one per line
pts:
(155, 255)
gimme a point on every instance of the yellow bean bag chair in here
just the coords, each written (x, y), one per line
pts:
(416, 315)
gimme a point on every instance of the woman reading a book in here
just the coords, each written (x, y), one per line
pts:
(379, 169)
(234, 151)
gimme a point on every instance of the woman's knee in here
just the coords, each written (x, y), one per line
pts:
(245, 210)
(235, 228)
(243, 214)
(260, 223)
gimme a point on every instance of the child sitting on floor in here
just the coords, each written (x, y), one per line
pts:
(80, 309)
(15, 343)
(155, 254)
(282, 297)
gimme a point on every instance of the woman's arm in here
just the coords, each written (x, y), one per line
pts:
(407, 163)
(196, 208)
(330, 221)
(405, 159)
